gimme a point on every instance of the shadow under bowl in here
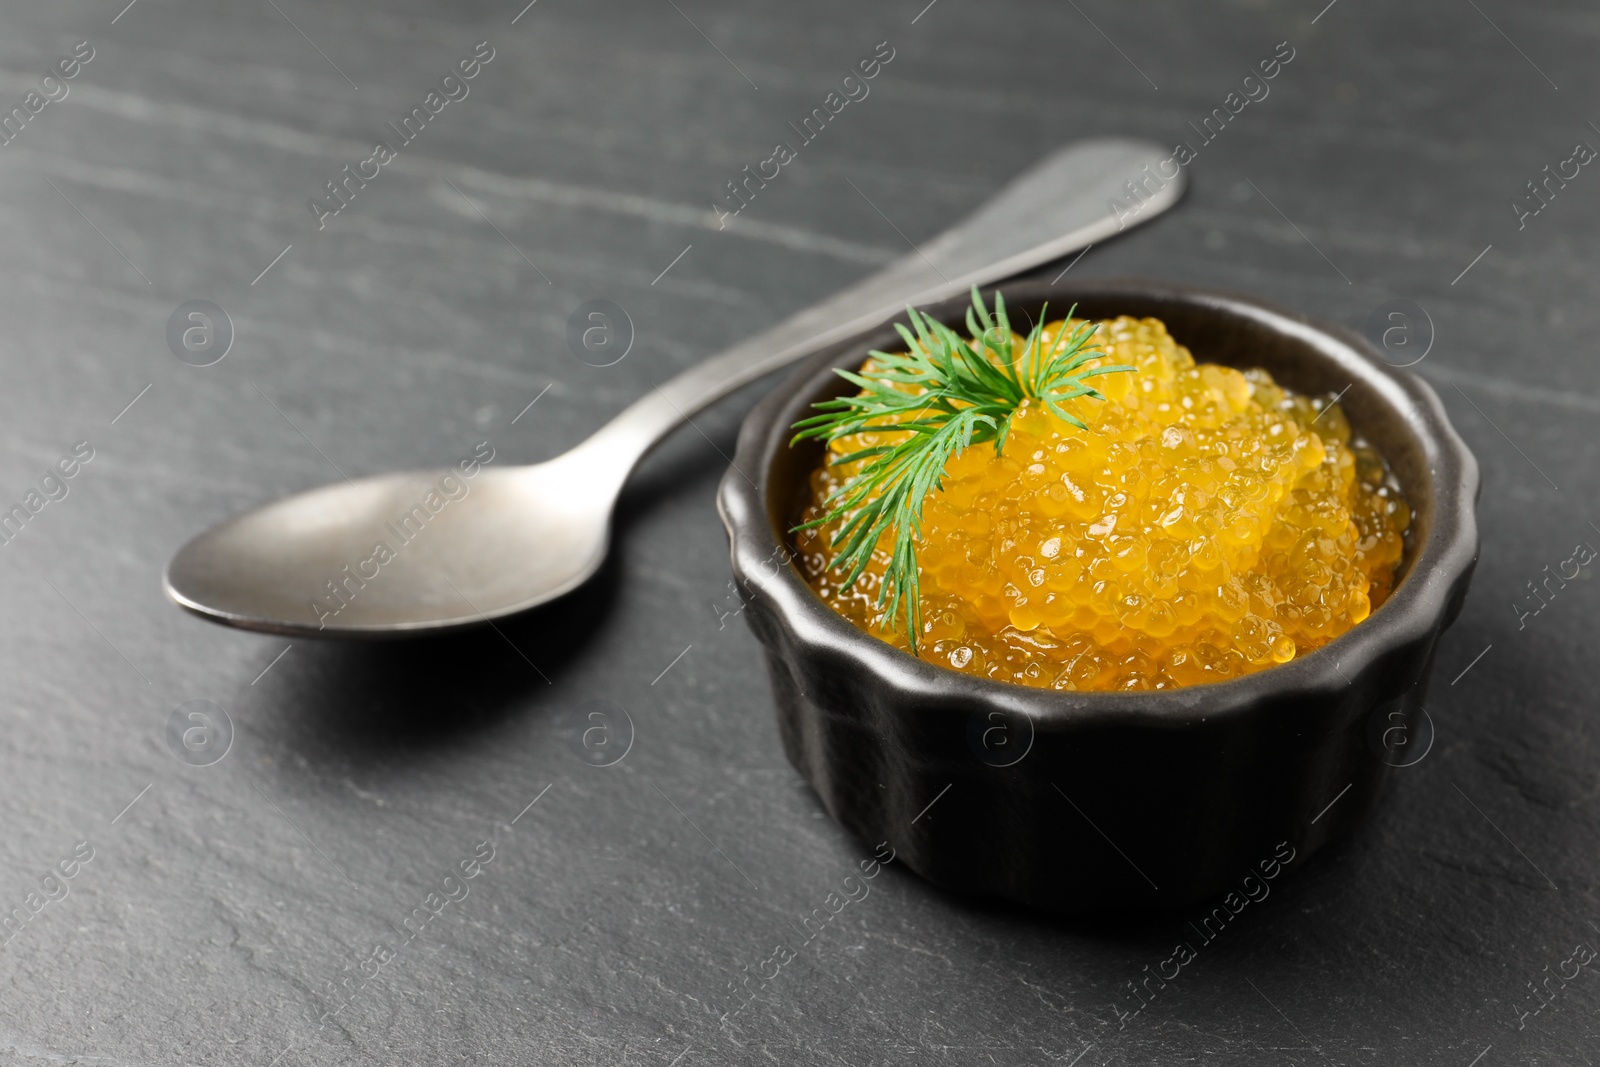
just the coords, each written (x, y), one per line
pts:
(1139, 801)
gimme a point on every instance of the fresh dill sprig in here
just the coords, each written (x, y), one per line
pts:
(961, 395)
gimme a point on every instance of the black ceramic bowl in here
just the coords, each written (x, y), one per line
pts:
(1080, 801)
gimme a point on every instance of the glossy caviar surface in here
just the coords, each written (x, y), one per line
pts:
(1209, 524)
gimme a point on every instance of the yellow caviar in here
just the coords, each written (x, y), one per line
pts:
(1209, 524)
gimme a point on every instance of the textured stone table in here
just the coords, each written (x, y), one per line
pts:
(269, 907)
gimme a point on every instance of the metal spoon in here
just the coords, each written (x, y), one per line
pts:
(420, 551)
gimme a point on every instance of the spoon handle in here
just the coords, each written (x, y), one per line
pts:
(1062, 204)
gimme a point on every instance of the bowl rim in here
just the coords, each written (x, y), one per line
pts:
(1419, 607)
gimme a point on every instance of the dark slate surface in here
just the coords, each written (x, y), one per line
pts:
(615, 913)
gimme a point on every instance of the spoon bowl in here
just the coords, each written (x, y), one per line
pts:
(400, 553)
